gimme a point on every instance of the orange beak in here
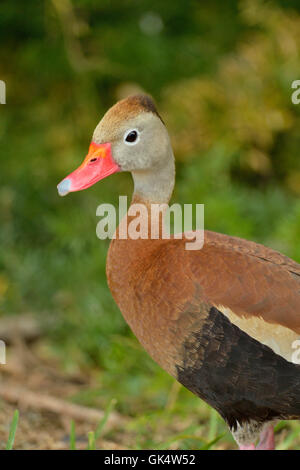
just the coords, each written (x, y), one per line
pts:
(97, 165)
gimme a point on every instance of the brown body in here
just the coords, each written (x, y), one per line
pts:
(174, 299)
(247, 278)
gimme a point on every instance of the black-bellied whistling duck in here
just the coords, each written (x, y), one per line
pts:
(222, 320)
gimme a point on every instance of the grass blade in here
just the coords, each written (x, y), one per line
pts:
(92, 441)
(103, 421)
(213, 424)
(12, 431)
(72, 436)
(212, 443)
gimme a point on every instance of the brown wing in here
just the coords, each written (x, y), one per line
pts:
(248, 278)
(254, 249)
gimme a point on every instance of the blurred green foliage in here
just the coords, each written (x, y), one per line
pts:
(221, 73)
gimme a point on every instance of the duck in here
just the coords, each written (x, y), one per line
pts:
(223, 320)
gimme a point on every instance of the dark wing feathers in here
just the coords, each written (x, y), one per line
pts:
(241, 378)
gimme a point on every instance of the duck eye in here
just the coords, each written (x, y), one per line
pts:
(131, 137)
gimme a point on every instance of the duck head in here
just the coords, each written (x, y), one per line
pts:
(130, 137)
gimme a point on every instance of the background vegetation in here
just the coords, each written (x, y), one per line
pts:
(221, 73)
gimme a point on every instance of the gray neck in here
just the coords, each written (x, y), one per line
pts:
(155, 185)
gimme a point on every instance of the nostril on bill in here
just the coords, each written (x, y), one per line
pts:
(64, 187)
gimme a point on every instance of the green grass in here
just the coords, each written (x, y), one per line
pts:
(12, 431)
(184, 440)
(215, 433)
(91, 441)
(93, 436)
(72, 436)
